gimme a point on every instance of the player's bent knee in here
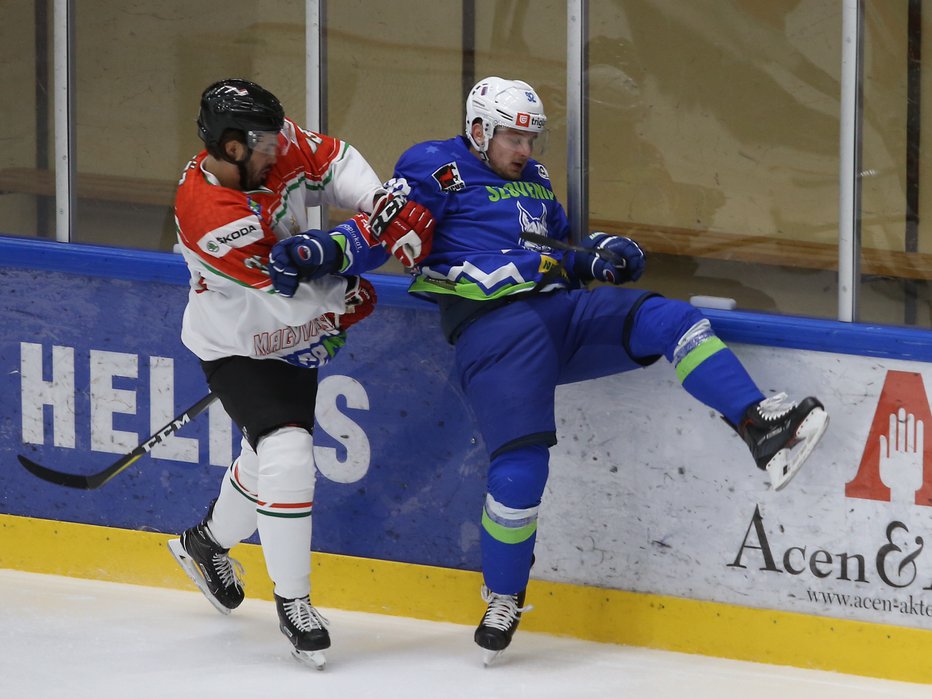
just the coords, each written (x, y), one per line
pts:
(517, 477)
(516, 484)
(662, 326)
(244, 471)
(286, 464)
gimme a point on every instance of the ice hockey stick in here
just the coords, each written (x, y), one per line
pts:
(95, 480)
(539, 239)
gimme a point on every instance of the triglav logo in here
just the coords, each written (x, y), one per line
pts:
(896, 465)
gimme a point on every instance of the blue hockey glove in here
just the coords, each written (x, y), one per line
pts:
(618, 260)
(302, 257)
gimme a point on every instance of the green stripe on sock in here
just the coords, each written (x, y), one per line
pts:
(283, 515)
(241, 491)
(505, 534)
(698, 356)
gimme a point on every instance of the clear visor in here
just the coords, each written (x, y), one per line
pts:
(271, 142)
(534, 142)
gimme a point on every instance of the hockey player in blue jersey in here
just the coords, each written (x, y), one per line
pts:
(522, 322)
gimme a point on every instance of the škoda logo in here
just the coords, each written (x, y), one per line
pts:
(897, 461)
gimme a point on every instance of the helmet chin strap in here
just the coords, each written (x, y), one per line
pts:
(241, 167)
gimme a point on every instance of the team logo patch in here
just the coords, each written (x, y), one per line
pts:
(238, 91)
(254, 206)
(531, 223)
(235, 234)
(304, 252)
(525, 120)
(448, 177)
(542, 171)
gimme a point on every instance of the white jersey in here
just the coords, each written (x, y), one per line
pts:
(226, 236)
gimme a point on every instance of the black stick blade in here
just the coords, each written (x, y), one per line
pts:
(78, 481)
(69, 480)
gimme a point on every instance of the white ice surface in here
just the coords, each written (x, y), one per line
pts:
(62, 637)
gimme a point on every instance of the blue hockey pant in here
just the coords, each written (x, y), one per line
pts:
(511, 360)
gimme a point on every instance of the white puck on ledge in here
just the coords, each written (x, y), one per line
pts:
(720, 302)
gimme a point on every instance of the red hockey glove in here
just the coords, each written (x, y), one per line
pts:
(360, 302)
(404, 227)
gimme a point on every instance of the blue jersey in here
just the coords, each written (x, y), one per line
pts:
(477, 251)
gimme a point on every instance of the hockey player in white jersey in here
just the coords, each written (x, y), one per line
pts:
(260, 348)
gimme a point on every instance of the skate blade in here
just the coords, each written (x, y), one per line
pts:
(190, 568)
(312, 658)
(489, 657)
(786, 463)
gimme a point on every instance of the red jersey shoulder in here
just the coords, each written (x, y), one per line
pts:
(313, 152)
(203, 206)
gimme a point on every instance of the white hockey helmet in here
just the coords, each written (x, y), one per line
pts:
(499, 102)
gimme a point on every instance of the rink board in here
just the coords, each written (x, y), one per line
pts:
(651, 497)
(444, 594)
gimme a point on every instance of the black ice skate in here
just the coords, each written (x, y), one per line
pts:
(217, 575)
(499, 623)
(782, 434)
(305, 627)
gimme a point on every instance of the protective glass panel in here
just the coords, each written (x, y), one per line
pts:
(723, 165)
(896, 238)
(26, 184)
(714, 142)
(140, 71)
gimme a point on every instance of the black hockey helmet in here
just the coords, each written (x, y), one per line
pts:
(237, 104)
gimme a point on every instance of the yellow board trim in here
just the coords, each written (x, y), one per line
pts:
(443, 594)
